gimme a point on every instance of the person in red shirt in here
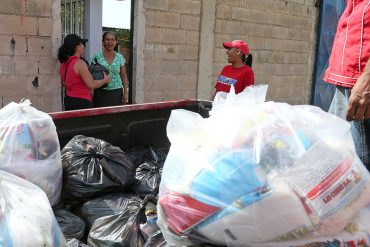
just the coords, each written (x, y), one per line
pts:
(349, 70)
(75, 74)
(239, 73)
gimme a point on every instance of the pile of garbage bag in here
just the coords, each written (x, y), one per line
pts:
(259, 173)
(105, 191)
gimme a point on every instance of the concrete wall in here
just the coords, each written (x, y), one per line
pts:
(183, 51)
(29, 38)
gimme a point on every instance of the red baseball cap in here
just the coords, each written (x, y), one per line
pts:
(238, 44)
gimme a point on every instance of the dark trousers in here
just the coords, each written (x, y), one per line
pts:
(103, 98)
(71, 103)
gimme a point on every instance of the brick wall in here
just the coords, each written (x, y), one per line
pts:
(171, 49)
(281, 35)
(27, 53)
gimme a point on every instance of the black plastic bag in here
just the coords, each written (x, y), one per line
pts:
(75, 243)
(148, 176)
(140, 155)
(72, 226)
(121, 229)
(112, 204)
(97, 70)
(92, 167)
(156, 240)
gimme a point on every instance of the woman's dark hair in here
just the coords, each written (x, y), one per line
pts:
(248, 60)
(65, 52)
(108, 32)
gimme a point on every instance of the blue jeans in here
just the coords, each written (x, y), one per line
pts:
(360, 130)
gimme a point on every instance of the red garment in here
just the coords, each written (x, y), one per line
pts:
(239, 77)
(351, 47)
(75, 86)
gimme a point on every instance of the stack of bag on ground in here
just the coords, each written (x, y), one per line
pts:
(259, 173)
(29, 149)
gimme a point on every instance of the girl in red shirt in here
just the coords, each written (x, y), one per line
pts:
(239, 73)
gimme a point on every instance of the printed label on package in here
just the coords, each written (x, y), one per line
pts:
(326, 178)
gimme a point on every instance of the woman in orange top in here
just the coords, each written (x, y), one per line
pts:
(75, 75)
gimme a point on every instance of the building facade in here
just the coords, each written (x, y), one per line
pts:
(177, 47)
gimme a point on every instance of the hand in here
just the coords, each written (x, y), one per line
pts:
(359, 101)
(106, 78)
(125, 97)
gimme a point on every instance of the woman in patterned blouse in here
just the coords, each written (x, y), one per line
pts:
(116, 91)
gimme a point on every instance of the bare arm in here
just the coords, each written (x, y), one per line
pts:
(124, 79)
(359, 101)
(83, 71)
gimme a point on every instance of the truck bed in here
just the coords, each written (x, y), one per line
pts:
(124, 126)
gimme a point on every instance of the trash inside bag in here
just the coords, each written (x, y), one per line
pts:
(29, 147)
(251, 161)
(26, 218)
(72, 226)
(150, 227)
(356, 234)
(92, 167)
(121, 229)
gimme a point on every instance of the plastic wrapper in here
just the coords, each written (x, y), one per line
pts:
(73, 227)
(26, 218)
(120, 229)
(256, 172)
(92, 167)
(29, 147)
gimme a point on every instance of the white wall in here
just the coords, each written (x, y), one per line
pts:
(93, 26)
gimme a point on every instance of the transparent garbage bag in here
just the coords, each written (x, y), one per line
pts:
(29, 147)
(26, 218)
(256, 172)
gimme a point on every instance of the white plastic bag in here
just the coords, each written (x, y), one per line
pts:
(26, 218)
(257, 172)
(29, 147)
